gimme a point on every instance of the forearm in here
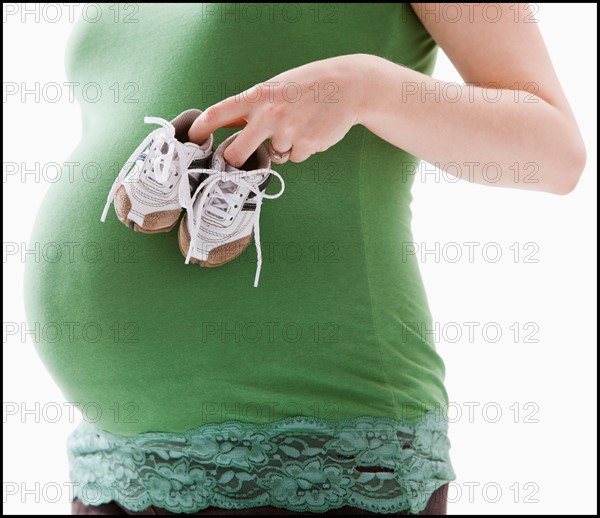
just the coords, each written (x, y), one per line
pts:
(506, 138)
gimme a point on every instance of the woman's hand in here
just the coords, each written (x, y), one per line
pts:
(517, 122)
(306, 110)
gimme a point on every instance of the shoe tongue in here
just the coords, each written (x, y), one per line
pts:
(228, 185)
(189, 147)
(193, 149)
(253, 177)
(198, 159)
(220, 164)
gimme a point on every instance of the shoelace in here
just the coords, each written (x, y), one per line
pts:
(164, 164)
(222, 200)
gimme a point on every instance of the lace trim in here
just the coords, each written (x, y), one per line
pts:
(300, 463)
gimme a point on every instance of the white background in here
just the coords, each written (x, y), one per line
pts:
(539, 455)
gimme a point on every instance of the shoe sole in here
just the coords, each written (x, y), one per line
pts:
(218, 256)
(122, 208)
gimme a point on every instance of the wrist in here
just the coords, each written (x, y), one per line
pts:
(366, 71)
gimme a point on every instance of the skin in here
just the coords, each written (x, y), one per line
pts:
(517, 119)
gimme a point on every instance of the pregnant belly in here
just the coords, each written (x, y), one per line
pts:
(142, 342)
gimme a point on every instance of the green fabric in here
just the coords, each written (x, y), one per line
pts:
(336, 329)
(299, 463)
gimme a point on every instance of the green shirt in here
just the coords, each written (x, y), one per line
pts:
(336, 329)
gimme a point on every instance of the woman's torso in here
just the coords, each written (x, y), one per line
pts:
(336, 328)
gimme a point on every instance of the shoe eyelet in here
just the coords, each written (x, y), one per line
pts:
(235, 206)
(170, 186)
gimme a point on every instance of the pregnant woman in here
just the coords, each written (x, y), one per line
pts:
(317, 390)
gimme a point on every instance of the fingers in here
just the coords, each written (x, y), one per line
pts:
(254, 134)
(246, 143)
(262, 120)
(300, 155)
(230, 112)
(239, 123)
(281, 144)
(302, 149)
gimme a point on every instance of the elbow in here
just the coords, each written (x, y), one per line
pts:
(573, 162)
